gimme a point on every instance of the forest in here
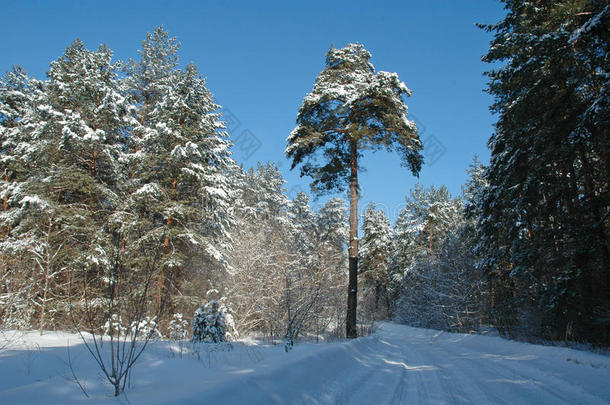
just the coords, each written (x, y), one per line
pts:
(122, 204)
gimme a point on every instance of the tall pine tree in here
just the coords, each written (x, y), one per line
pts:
(351, 109)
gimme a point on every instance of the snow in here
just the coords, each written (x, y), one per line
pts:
(151, 190)
(397, 364)
(589, 25)
(33, 201)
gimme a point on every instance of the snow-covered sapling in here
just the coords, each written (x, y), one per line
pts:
(178, 327)
(209, 324)
(147, 328)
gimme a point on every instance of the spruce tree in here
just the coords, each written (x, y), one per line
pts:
(304, 223)
(428, 259)
(544, 220)
(351, 109)
(375, 258)
(333, 224)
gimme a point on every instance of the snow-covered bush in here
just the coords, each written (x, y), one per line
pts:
(213, 323)
(178, 327)
(114, 326)
(147, 328)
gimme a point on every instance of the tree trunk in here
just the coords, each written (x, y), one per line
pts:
(45, 272)
(5, 198)
(161, 279)
(352, 289)
(44, 299)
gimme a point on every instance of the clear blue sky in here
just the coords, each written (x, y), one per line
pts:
(261, 58)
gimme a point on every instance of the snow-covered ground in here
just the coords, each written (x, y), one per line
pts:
(398, 364)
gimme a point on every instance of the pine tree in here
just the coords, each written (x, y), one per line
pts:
(350, 109)
(179, 163)
(84, 126)
(66, 146)
(151, 77)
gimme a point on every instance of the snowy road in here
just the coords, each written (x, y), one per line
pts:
(403, 365)
(397, 365)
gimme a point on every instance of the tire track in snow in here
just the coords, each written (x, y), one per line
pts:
(502, 381)
(397, 397)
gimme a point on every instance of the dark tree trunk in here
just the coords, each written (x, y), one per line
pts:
(352, 289)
